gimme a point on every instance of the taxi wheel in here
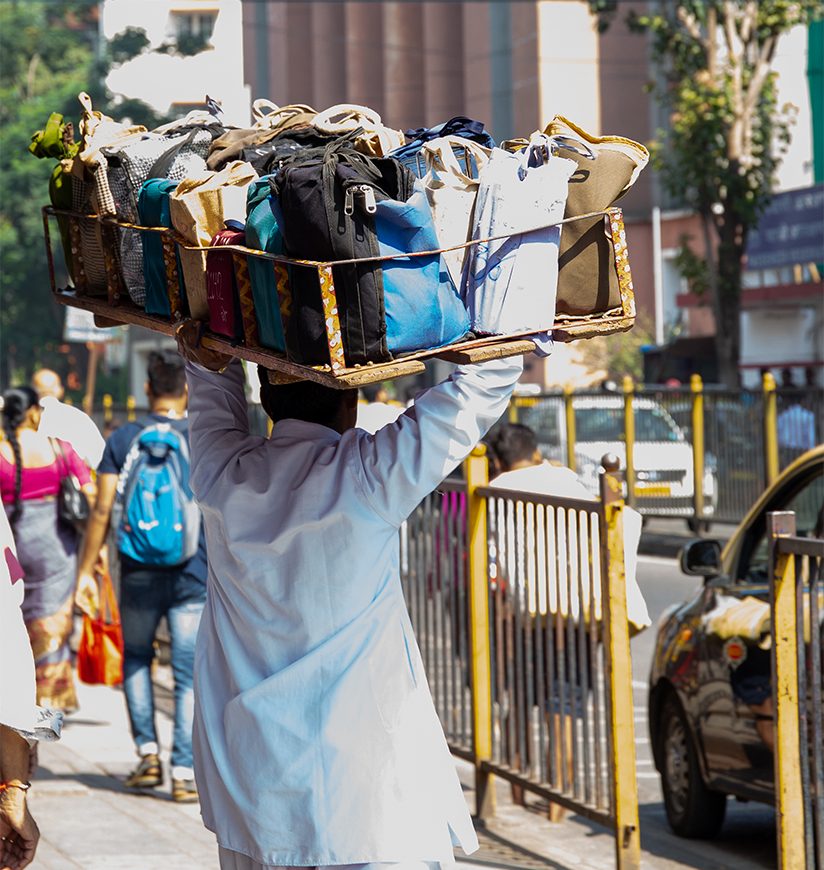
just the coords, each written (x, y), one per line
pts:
(693, 810)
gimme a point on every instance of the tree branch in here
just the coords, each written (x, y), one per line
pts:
(691, 25)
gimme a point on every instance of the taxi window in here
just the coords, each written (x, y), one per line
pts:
(808, 504)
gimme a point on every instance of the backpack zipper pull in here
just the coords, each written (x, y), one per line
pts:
(349, 202)
(369, 198)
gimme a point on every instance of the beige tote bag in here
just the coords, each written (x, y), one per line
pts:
(451, 189)
(199, 208)
(375, 140)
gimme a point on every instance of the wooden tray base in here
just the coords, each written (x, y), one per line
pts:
(282, 370)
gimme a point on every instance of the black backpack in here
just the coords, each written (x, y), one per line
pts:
(316, 190)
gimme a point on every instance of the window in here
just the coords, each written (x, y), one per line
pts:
(806, 498)
(194, 25)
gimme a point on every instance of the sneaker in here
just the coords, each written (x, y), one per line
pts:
(184, 791)
(147, 774)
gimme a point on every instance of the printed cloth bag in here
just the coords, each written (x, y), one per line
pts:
(410, 153)
(339, 204)
(270, 121)
(269, 280)
(153, 208)
(451, 193)
(56, 140)
(200, 207)
(607, 167)
(225, 314)
(509, 285)
(372, 138)
(152, 156)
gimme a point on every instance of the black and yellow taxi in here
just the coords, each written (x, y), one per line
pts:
(710, 701)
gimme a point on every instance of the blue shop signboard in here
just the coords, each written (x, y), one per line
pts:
(790, 232)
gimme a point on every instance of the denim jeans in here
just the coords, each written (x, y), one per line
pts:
(147, 594)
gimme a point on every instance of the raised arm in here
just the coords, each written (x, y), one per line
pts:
(406, 460)
(218, 421)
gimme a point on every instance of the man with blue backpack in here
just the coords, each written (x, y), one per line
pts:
(144, 494)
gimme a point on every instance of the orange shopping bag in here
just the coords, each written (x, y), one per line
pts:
(100, 655)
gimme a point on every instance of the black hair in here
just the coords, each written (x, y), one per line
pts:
(166, 374)
(16, 404)
(302, 400)
(513, 443)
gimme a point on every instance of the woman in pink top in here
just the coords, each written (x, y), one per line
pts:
(31, 469)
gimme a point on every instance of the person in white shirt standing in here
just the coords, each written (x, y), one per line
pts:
(316, 740)
(66, 422)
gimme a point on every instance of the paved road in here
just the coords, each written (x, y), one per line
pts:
(748, 836)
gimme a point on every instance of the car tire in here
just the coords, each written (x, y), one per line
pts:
(698, 527)
(693, 810)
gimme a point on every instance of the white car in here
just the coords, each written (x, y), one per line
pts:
(662, 452)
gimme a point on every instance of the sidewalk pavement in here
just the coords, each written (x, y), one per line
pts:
(89, 820)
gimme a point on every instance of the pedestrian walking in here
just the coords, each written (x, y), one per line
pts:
(22, 722)
(60, 420)
(144, 491)
(316, 738)
(32, 470)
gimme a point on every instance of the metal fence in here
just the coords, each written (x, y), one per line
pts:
(704, 454)
(519, 605)
(797, 602)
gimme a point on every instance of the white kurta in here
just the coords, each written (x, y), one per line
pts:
(316, 740)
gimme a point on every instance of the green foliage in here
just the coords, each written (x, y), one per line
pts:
(620, 354)
(128, 44)
(46, 55)
(186, 45)
(692, 267)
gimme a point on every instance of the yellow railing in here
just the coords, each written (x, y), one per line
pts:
(796, 601)
(530, 673)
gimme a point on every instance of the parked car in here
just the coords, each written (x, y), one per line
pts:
(710, 701)
(662, 452)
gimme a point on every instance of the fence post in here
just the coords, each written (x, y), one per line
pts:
(571, 439)
(107, 408)
(787, 755)
(513, 410)
(770, 429)
(697, 387)
(477, 475)
(130, 409)
(629, 437)
(619, 670)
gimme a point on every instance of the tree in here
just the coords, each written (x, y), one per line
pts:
(727, 132)
(46, 59)
(49, 53)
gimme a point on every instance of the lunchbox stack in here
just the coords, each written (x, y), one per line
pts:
(328, 240)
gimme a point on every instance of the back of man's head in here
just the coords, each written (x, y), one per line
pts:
(308, 401)
(166, 376)
(515, 445)
(47, 383)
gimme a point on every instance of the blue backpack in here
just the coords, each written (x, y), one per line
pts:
(157, 519)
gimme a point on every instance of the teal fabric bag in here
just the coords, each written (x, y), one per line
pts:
(263, 233)
(153, 211)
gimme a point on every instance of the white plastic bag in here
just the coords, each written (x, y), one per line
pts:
(509, 285)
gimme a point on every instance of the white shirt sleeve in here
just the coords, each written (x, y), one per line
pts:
(404, 461)
(218, 422)
(18, 709)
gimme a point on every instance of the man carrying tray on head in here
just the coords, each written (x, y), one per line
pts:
(316, 739)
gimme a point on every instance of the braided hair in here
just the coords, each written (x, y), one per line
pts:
(16, 404)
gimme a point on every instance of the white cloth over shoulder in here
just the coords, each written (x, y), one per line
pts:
(546, 581)
(18, 709)
(68, 423)
(316, 740)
